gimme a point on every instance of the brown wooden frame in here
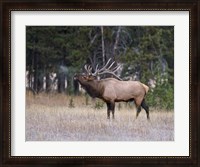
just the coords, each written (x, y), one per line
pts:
(6, 6)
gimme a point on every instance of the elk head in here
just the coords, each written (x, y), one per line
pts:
(84, 77)
(89, 80)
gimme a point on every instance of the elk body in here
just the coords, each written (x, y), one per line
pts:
(112, 90)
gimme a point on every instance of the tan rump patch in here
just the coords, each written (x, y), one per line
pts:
(146, 88)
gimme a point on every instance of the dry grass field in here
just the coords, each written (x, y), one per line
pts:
(56, 117)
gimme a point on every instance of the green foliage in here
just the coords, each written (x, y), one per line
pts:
(98, 105)
(161, 97)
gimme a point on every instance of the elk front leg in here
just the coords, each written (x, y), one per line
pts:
(138, 111)
(110, 107)
(108, 110)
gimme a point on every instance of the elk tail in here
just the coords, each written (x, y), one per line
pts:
(146, 88)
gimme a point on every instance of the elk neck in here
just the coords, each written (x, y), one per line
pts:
(94, 88)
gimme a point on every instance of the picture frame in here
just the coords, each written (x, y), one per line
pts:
(6, 104)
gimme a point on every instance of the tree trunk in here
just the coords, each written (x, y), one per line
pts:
(48, 83)
(40, 81)
(76, 87)
(116, 42)
(35, 73)
(30, 77)
(61, 82)
(103, 46)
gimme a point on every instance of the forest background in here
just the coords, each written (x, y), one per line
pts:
(145, 53)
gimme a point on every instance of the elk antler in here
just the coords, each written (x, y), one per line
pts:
(107, 69)
(88, 69)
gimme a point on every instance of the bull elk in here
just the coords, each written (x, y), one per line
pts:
(112, 90)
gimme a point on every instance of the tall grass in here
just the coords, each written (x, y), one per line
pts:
(49, 117)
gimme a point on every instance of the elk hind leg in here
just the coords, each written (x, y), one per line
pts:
(138, 111)
(138, 106)
(144, 105)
